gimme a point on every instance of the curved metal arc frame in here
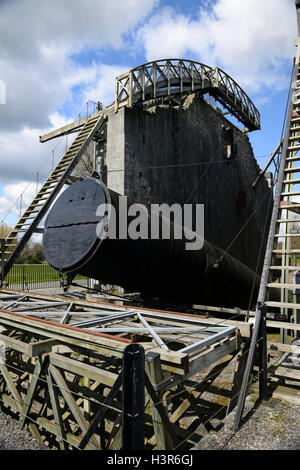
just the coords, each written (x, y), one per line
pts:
(172, 72)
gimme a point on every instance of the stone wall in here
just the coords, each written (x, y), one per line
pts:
(178, 155)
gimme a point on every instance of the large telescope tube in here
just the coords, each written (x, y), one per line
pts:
(158, 268)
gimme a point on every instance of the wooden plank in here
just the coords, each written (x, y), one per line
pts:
(283, 325)
(238, 378)
(154, 371)
(11, 343)
(32, 387)
(76, 412)
(283, 347)
(60, 431)
(117, 442)
(85, 370)
(73, 440)
(68, 128)
(202, 361)
(11, 387)
(101, 412)
(288, 373)
(161, 410)
(41, 347)
(199, 389)
(287, 394)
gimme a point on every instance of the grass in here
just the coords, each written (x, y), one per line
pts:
(33, 273)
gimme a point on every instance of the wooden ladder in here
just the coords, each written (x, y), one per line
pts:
(31, 218)
(281, 256)
(286, 238)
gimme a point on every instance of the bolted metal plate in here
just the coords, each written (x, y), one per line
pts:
(70, 229)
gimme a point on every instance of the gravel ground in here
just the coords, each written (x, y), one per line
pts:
(274, 426)
(271, 426)
(12, 437)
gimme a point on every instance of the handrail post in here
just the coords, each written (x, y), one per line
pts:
(133, 398)
(262, 354)
(2, 247)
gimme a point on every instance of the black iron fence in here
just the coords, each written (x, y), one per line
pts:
(37, 276)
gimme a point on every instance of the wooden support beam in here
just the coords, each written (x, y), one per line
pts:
(200, 389)
(85, 370)
(153, 369)
(68, 128)
(238, 377)
(101, 412)
(11, 387)
(40, 364)
(75, 410)
(60, 431)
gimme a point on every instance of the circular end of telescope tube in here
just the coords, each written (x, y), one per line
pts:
(74, 225)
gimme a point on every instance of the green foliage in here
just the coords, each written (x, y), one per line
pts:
(32, 254)
(4, 230)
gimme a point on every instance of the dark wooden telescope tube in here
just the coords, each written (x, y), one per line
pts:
(74, 243)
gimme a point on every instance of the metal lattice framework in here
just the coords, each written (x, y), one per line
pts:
(171, 77)
(61, 364)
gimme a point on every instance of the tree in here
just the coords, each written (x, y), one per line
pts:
(4, 230)
(32, 254)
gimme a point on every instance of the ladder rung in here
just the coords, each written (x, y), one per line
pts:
(32, 211)
(281, 286)
(283, 305)
(287, 221)
(294, 193)
(289, 206)
(293, 159)
(64, 166)
(287, 235)
(58, 172)
(36, 205)
(292, 181)
(284, 268)
(50, 184)
(45, 191)
(294, 138)
(286, 252)
(293, 148)
(28, 217)
(38, 199)
(21, 226)
(77, 143)
(292, 170)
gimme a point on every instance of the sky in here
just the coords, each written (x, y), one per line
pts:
(56, 56)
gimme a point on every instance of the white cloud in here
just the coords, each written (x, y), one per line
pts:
(11, 202)
(40, 64)
(250, 39)
(38, 43)
(102, 88)
(22, 155)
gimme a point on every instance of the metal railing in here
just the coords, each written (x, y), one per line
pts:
(37, 276)
(169, 77)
